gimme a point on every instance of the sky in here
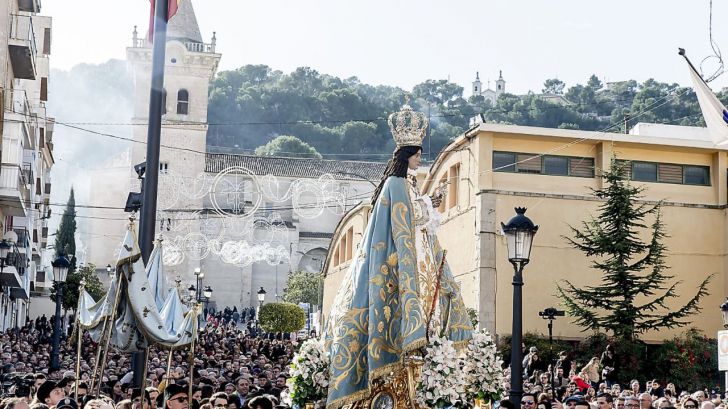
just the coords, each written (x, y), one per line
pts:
(405, 42)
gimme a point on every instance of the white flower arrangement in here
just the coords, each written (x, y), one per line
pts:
(442, 383)
(484, 375)
(309, 381)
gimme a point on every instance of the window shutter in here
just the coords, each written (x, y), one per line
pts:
(581, 167)
(528, 163)
(670, 173)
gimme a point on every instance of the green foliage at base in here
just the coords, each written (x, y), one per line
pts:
(282, 317)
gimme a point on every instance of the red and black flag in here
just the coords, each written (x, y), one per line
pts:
(172, 10)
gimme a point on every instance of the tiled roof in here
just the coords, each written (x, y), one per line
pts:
(296, 167)
(315, 235)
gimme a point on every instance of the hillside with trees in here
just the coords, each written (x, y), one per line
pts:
(338, 118)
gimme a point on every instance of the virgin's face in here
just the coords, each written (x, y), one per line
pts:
(415, 160)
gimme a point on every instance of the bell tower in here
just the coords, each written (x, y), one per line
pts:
(477, 85)
(190, 66)
(500, 85)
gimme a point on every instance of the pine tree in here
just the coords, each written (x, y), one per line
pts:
(634, 289)
(66, 235)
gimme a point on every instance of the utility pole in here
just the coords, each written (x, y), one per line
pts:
(147, 221)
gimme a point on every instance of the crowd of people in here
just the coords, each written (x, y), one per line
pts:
(235, 368)
(232, 369)
(567, 385)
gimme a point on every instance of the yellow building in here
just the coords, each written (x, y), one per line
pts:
(494, 168)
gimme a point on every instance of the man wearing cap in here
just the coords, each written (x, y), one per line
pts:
(50, 393)
(176, 397)
(67, 403)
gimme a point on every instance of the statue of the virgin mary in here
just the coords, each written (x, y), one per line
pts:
(399, 290)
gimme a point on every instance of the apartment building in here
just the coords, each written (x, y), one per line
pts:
(26, 157)
(493, 168)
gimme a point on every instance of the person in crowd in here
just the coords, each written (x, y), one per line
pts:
(49, 393)
(609, 365)
(261, 402)
(592, 369)
(645, 401)
(528, 401)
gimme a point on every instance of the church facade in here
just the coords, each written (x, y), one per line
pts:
(211, 207)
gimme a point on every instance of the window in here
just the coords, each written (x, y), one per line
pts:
(349, 243)
(342, 249)
(47, 41)
(543, 164)
(666, 173)
(336, 257)
(556, 165)
(504, 162)
(452, 192)
(164, 101)
(183, 98)
(443, 180)
(644, 171)
(44, 89)
(528, 163)
(163, 167)
(581, 167)
(696, 175)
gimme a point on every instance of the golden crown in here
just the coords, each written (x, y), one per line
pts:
(408, 126)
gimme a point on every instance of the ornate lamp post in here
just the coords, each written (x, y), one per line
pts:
(519, 234)
(207, 294)
(261, 296)
(60, 271)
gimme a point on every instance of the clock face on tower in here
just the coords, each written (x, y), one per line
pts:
(383, 400)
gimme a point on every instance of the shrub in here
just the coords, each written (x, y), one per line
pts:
(282, 317)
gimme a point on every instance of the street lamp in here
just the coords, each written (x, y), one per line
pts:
(724, 312)
(207, 292)
(192, 292)
(519, 234)
(60, 271)
(108, 269)
(261, 296)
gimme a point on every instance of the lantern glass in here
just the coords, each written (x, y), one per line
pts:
(192, 291)
(60, 269)
(519, 244)
(261, 295)
(207, 292)
(724, 312)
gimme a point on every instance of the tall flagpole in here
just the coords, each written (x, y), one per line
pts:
(147, 220)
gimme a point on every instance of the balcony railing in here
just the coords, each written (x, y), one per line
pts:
(22, 46)
(200, 47)
(23, 237)
(27, 173)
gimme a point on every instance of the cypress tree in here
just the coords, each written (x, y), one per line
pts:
(66, 236)
(635, 287)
